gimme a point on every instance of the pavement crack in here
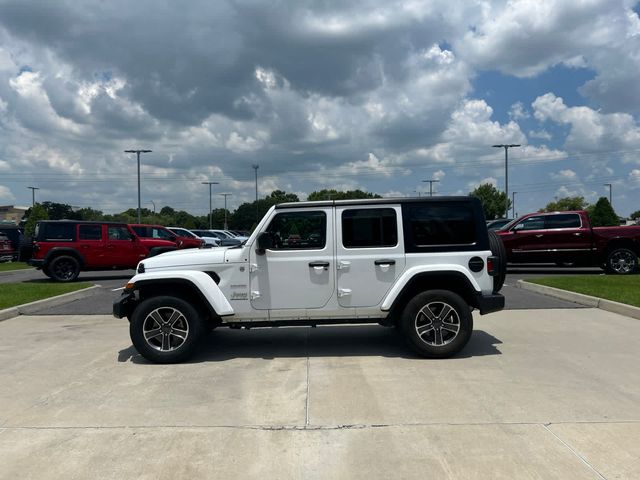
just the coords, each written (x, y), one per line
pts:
(574, 451)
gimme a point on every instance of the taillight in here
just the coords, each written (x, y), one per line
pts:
(491, 262)
(36, 247)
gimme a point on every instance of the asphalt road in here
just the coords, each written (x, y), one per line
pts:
(100, 303)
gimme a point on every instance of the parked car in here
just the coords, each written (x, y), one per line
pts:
(163, 233)
(233, 234)
(7, 252)
(498, 223)
(420, 265)
(207, 242)
(568, 238)
(223, 239)
(64, 248)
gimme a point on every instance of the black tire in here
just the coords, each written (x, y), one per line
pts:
(166, 329)
(63, 268)
(46, 271)
(415, 323)
(621, 261)
(497, 249)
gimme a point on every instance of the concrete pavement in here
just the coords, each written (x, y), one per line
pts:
(536, 394)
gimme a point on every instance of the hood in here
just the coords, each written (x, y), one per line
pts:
(191, 257)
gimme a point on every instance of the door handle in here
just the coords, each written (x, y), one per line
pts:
(539, 235)
(385, 262)
(577, 234)
(319, 265)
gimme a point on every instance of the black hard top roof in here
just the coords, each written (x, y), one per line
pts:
(83, 222)
(375, 201)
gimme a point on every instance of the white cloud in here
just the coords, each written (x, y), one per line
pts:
(564, 175)
(541, 134)
(5, 194)
(518, 112)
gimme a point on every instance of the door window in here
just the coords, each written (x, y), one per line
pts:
(532, 223)
(118, 233)
(90, 232)
(298, 230)
(563, 220)
(369, 228)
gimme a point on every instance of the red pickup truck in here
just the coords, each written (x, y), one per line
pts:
(568, 237)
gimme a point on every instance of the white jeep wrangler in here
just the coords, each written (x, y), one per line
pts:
(420, 264)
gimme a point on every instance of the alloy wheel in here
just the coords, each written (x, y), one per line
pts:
(165, 329)
(437, 324)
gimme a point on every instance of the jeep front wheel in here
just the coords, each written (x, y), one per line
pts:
(63, 269)
(165, 329)
(437, 323)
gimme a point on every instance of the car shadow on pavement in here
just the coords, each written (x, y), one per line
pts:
(325, 341)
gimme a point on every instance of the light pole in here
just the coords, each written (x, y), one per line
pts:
(610, 197)
(138, 152)
(154, 206)
(255, 167)
(33, 196)
(210, 209)
(506, 173)
(513, 203)
(431, 182)
(418, 192)
(225, 195)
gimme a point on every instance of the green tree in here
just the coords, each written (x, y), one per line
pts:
(493, 201)
(635, 215)
(244, 217)
(35, 214)
(59, 211)
(602, 214)
(88, 213)
(331, 194)
(565, 204)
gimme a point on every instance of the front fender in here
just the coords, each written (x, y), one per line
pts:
(207, 287)
(410, 273)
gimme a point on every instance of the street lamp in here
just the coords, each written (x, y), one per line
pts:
(154, 206)
(210, 209)
(513, 203)
(506, 173)
(138, 152)
(33, 196)
(225, 195)
(255, 167)
(431, 182)
(610, 198)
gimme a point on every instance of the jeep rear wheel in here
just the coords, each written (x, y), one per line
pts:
(63, 269)
(437, 323)
(165, 329)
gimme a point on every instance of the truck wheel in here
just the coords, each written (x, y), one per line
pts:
(64, 269)
(621, 261)
(497, 249)
(165, 329)
(437, 323)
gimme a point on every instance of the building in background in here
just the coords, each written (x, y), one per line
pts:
(12, 213)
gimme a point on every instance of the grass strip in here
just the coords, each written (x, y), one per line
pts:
(9, 266)
(13, 294)
(619, 288)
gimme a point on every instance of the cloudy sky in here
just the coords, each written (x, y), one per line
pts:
(372, 94)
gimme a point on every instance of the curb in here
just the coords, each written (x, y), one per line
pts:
(32, 307)
(11, 272)
(586, 300)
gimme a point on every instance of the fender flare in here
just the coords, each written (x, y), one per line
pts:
(404, 280)
(206, 287)
(57, 251)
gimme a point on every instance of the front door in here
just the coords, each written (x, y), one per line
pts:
(370, 253)
(122, 249)
(298, 272)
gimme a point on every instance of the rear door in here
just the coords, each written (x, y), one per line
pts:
(370, 253)
(566, 238)
(91, 245)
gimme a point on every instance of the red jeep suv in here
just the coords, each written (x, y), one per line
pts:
(64, 248)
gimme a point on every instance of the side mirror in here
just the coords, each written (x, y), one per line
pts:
(265, 241)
